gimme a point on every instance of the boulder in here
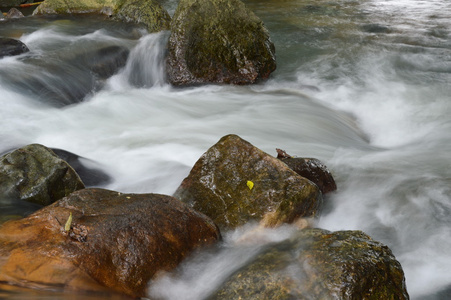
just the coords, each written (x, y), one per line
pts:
(11, 47)
(310, 168)
(234, 183)
(218, 41)
(146, 12)
(97, 240)
(14, 13)
(318, 264)
(35, 174)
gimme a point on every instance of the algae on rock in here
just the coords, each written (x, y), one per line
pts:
(217, 187)
(218, 41)
(319, 264)
(35, 174)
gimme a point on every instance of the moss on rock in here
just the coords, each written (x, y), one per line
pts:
(218, 41)
(35, 174)
(217, 187)
(319, 264)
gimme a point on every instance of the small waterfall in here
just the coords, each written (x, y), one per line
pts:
(145, 64)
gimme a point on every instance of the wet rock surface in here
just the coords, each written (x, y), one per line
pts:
(319, 264)
(11, 47)
(219, 186)
(218, 41)
(312, 169)
(35, 174)
(101, 240)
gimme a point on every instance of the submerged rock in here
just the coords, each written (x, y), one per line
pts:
(218, 41)
(96, 240)
(234, 183)
(89, 171)
(35, 174)
(11, 47)
(310, 168)
(318, 264)
(146, 12)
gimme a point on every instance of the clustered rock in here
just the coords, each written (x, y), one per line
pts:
(92, 239)
(214, 41)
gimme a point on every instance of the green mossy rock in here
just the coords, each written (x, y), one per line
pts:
(217, 187)
(145, 12)
(35, 174)
(318, 264)
(218, 41)
(64, 7)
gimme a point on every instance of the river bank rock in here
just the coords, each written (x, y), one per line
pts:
(234, 183)
(312, 169)
(218, 41)
(35, 174)
(145, 12)
(11, 47)
(114, 241)
(318, 264)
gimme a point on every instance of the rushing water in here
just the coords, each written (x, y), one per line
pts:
(362, 85)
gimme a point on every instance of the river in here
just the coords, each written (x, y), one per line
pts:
(363, 85)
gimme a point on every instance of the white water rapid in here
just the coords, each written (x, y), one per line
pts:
(364, 86)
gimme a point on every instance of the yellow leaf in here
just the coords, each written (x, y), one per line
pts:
(68, 223)
(250, 184)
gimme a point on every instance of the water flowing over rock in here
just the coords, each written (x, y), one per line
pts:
(11, 47)
(234, 183)
(319, 264)
(218, 41)
(312, 169)
(146, 12)
(96, 240)
(90, 172)
(35, 174)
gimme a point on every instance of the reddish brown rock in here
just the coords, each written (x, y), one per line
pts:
(310, 168)
(217, 186)
(115, 241)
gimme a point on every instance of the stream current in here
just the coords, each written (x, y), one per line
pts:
(363, 86)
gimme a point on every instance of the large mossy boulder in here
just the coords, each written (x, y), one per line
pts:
(218, 41)
(97, 240)
(11, 47)
(234, 183)
(318, 264)
(146, 12)
(35, 174)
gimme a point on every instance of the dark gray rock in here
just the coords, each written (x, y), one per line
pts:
(11, 47)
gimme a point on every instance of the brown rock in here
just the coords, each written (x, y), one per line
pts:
(217, 186)
(115, 241)
(310, 168)
(218, 41)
